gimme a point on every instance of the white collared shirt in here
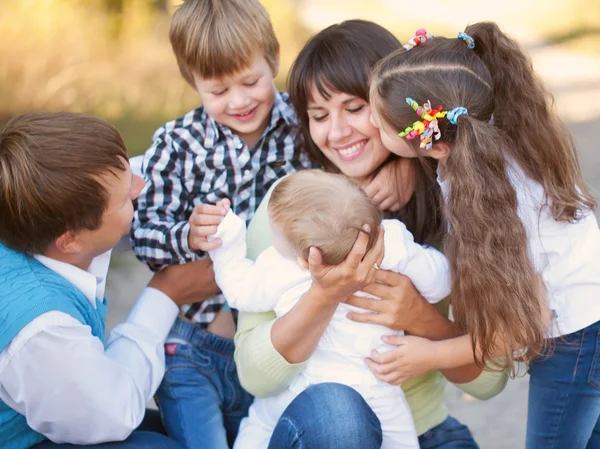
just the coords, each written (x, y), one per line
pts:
(69, 385)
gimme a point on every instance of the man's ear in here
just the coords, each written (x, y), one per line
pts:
(68, 243)
(439, 150)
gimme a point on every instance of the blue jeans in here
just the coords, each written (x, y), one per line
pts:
(148, 435)
(450, 434)
(335, 416)
(200, 398)
(564, 394)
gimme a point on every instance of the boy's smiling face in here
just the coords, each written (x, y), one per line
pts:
(242, 101)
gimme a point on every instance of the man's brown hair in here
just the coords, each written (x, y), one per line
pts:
(217, 38)
(50, 176)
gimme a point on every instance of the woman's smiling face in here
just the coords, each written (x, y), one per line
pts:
(340, 127)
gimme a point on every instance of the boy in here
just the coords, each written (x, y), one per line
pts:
(66, 194)
(236, 146)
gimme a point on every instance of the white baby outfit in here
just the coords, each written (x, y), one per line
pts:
(275, 282)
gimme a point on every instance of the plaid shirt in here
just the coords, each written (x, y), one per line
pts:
(196, 160)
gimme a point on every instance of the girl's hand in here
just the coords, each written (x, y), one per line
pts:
(413, 356)
(401, 307)
(357, 271)
(391, 188)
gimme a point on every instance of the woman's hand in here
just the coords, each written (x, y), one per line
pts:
(391, 188)
(413, 356)
(401, 307)
(336, 282)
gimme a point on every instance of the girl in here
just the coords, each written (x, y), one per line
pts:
(518, 215)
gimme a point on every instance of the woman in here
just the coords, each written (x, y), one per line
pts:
(329, 89)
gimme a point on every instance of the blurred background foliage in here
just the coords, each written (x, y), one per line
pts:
(113, 58)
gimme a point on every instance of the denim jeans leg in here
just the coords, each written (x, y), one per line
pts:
(594, 441)
(564, 393)
(137, 440)
(189, 402)
(237, 401)
(451, 434)
(327, 415)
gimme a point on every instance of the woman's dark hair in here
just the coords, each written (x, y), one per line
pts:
(340, 58)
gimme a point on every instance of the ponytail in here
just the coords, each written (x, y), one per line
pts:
(495, 293)
(524, 111)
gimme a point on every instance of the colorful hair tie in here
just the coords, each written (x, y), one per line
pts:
(421, 37)
(428, 127)
(455, 113)
(468, 39)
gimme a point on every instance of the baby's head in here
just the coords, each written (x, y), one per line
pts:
(325, 210)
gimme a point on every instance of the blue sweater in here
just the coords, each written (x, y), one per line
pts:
(27, 290)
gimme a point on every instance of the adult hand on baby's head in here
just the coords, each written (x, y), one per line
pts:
(391, 188)
(336, 282)
(203, 222)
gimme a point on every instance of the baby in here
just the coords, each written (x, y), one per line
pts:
(313, 208)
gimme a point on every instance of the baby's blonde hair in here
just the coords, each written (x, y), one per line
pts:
(324, 210)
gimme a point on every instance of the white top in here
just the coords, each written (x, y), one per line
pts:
(69, 385)
(275, 282)
(566, 255)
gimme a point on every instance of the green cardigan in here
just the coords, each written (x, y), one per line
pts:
(263, 371)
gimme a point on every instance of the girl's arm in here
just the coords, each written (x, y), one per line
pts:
(401, 307)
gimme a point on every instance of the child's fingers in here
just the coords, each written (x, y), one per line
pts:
(389, 203)
(201, 244)
(205, 220)
(203, 231)
(209, 209)
(371, 189)
(224, 203)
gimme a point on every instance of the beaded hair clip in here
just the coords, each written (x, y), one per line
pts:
(468, 39)
(421, 37)
(428, 127)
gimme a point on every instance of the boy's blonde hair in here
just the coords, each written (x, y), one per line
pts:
(325, 210)
(217, 38)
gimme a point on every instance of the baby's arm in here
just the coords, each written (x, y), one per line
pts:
(426, 267)
(244, 283)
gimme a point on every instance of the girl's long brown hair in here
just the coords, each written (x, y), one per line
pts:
(340, 58)
(496, 293)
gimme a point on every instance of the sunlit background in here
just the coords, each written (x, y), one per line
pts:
(112, 58)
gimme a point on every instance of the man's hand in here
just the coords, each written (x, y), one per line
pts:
(188, 283)
(203, 222)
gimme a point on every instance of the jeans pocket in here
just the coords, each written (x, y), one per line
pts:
(594, 376)
(185, 356)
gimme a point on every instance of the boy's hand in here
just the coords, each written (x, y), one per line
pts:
(392, 187)
(203, 222)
